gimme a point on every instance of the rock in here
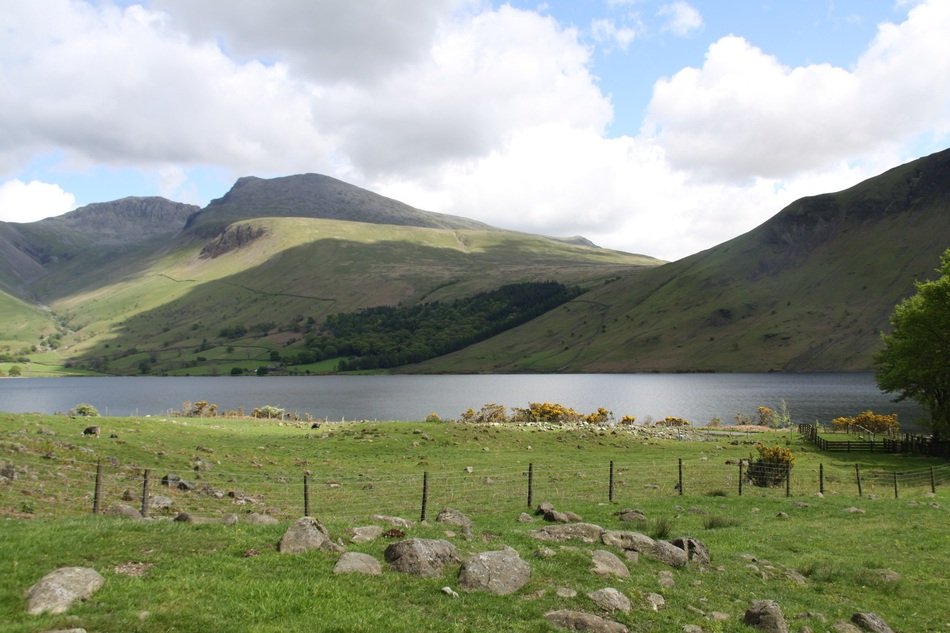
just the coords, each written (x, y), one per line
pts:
(58, 590)
(544, 552)
(781, 515)
(665, 580)
(871, 622)
(8, 471)
(524, 517)
(587, 532)
(565, 592)
(634, 541)
(183, 517)
(766, 615)
(230, 519)
(853, 510)
(580, 621)
(451, 516)
(393, 521)
(170, 480)
(92, 430)
(501, 572)
(357, 563)
(187, 486)
(610, 600)
(887, 575)
(629, 515)
(845, 627)
(607, 564)
(421, 557)
(123, 510)
(692, 628)
(695, 549)
(655, 601)
(256, 518)
(544, 508)
(449, 592)
(666, 552)
(159, 502)
(304, 535)
(365, 534)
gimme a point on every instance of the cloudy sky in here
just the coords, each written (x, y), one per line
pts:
(654, 126)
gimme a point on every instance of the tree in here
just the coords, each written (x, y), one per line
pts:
(915, 360)
(15, 371)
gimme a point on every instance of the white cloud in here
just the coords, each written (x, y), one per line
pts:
(606, 31)
(681, 18)
(744, 113)
(30, 201)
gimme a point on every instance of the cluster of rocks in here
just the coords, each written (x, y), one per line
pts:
(499, 572)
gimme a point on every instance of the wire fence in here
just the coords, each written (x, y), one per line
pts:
(48, 486)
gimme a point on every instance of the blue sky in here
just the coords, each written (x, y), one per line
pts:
(655, 126)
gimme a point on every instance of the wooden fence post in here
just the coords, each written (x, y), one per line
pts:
(681, 476)
(740, 477)
(821, 478)
(610, 486)
(425, 495)
(530, 483)
(306, 495)
(97, 493)
(788, 480)
(895, 485)
(933, 481)
(145, 476)
(857, 474)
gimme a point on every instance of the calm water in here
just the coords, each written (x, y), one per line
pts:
(696, 397)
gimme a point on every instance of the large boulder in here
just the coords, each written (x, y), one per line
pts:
(611, 600)
(306, 534)
(580, 621)
(421, 557)
(358, 563)
(766, 615)
(586, 532)
(500, 572)
(871, 622)
(58, 590)
(695, 549)
(607, 564)
(661, 551)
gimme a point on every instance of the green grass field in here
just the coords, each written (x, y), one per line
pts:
(821, 562)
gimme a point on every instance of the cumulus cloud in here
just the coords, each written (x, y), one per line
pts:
(606, 31)
(744, 113)
(681, 18)
(30, 201)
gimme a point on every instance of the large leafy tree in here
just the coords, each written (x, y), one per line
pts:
(915, 360)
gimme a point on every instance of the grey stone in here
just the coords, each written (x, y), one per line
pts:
(159, 502)
(627, 540)
(58, 590)
(230, 519)
(580, 621)
(304, 535)
(586, 532)
(565, 592)
(695, 549)
(421, 557)
(524, 517)
(365, 534)
(655, 601)
(358, 563)
(256, 518)
(665, 579)
(450, 516)
(845, 627)
(692, 628)
(170, 480)
(666, 552)
(630, 515)
(500, 572)
(871, 622)
(766, 615)
(607, 564)
(610, 599)
(123, 510)
(398, 522)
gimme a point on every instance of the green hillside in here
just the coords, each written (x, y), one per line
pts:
(809, 290)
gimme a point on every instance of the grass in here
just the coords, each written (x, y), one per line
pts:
(209, 576)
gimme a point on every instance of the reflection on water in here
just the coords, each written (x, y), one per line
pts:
(696, 397)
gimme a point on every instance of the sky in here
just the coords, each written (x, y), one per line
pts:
(661, 127)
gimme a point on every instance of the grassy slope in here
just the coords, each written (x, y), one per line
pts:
(23, 324)
(809, 290)
(209, 576)
(301, 268)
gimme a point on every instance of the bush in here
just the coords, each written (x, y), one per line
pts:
(628, 420)
(771, 467)
(487, 414)
(601, 416)
(269, 412)
(672, 421)
(433, 417)
(15, 371)
(870, 421)
(547, 412)
(85, 410)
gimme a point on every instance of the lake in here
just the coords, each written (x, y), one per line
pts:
(696, 397)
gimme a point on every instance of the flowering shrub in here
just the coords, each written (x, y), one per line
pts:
(672, 421)
(547, 412)
(487, 414)
(601, 416)
(873, 422)
(269, 412)
(771, 467)
(628, 420)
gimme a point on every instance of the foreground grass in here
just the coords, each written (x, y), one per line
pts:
(199, 577)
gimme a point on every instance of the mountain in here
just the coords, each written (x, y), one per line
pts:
(809, 290)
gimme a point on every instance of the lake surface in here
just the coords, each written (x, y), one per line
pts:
(696, 397)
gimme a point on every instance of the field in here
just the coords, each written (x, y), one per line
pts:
(822, 558)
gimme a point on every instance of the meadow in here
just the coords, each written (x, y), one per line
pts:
(822, 558)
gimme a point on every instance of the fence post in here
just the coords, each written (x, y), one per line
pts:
(788, 480)
(610, 487)
(530, 483)
(306, 495)
(933, 481)
(740, 477)
(680, 485)
(145, 493)
(97, 494)
(857, 474)
(821, 478)
(425, 495)
(895, 485)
